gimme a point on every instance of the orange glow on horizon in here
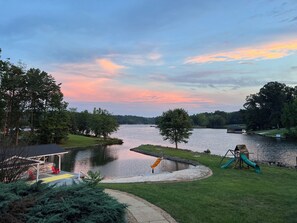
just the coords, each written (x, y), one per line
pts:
(107, 90)
(274, 50)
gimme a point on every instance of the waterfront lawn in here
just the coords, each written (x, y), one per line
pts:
(272, 132)
(75, 141)
(230, 195)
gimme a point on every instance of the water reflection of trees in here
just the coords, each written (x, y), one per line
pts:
(102, 155)
(275, 150)
(170, 166)
(92, 157)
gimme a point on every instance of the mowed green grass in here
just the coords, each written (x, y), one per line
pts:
(79, 141)
(230, 195)
(272, 132)
(75, 141)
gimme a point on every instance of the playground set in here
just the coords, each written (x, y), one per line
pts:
(240, 158)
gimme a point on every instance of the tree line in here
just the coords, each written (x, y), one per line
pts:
(217, 119)
(32, 98)
(33, 110)
(100, 123)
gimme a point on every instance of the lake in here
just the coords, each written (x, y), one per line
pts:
(119, 161)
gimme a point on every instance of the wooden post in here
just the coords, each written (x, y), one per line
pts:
(37, 173)
(59, 162)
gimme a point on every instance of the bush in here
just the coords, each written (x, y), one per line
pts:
(20, 202)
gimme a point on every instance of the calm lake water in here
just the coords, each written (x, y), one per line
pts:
(119, 161)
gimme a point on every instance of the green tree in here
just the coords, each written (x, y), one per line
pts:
(289, 117)
(28, 98)
(54, 127)
(12, 91)
(103, 123)
(175, 126)
(200, 119)
(83, 120)
(216, 121)
(264, 109)
(72, 113)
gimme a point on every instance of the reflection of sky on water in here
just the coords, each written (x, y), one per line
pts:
(115, 161)
(119, 161)
(217, 141)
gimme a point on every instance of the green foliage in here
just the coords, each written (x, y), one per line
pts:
(200, 119)
(103, 123)
(217, 119)
(83, 120)
(175, 126)
(21, 202)
(74, 141)
(16, 198)
(132, 119)
(54, 127)
(100, 123)
(93, 178)
(263, 110)
(29, 98)
(77, 203)
(289, 118)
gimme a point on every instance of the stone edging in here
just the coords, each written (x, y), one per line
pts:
(180, 160)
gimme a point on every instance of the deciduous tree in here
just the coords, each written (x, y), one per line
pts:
(175, 126)
(264, 109)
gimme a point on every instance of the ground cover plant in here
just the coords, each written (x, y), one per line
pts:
(20, 202)
(230, 195)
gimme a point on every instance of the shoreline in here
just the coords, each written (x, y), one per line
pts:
(197, 172)
(180, 160)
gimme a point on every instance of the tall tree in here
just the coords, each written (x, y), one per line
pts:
(289, 117)
(26, 98)
(12, 88)
(83, 120)
(175, 126)
(264, 109)
(103, 123)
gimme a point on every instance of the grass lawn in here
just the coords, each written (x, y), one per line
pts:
(86, 141)
(230, 195)
(272, 132)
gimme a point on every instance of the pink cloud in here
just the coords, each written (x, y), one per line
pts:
(80, 88)
(99, 68)
(108, 66)
(267, 51)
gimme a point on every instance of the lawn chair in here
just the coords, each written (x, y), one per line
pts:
(31, 175)
(55, 170)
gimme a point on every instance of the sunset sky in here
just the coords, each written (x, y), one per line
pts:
(142, 57)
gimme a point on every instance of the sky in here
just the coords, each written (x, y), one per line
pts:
(143, 57)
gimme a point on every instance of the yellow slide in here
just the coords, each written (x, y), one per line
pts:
(156, 163)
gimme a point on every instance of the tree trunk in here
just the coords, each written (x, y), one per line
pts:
(176, 144)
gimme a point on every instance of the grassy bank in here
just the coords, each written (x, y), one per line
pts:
(230, 195)
(75, 141)
(272, 132)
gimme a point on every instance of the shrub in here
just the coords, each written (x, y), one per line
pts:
(20, 202)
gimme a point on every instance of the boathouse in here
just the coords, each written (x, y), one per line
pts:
(35, 156)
